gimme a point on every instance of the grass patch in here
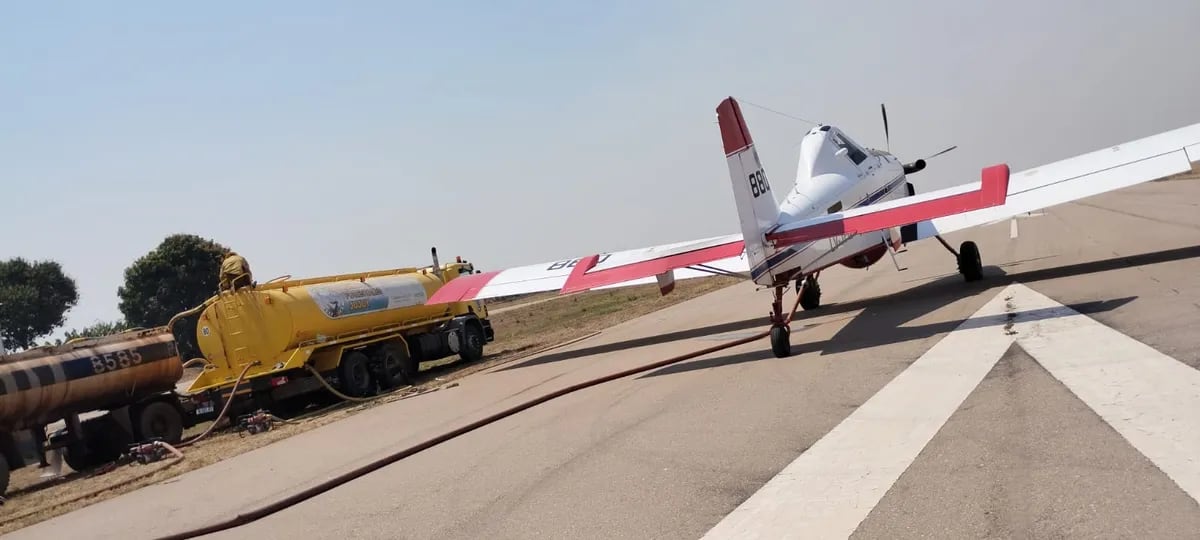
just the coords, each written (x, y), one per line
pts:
(549, 319)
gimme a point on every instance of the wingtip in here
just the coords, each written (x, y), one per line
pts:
(735, 136)
(461, 288)
(994, 184)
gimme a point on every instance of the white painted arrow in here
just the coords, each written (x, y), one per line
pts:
(1151, 399)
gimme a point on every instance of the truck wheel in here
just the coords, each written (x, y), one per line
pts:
(4, 474)
(77, 457)
(472, 342)
(394, 366)
(159, 420)
(354, 375)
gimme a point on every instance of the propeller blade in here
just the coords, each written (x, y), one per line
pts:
(942, 152)
(886, 137)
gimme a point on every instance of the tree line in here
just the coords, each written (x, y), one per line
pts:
(177, 275)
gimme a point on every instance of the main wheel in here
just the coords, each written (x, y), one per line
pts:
(810, 294)
(159, 420)
(354, 376)
(394, 366)
(781, 343)
(471, 345)
(969, 263)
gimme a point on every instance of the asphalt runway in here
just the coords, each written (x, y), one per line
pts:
(1059, 397)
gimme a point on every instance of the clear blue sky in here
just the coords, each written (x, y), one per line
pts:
(318, 138)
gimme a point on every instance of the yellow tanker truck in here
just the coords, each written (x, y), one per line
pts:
(359, 333)
(365, 332)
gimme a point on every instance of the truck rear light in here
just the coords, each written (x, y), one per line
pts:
(278, 381)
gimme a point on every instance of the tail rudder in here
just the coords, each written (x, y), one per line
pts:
(757, 208)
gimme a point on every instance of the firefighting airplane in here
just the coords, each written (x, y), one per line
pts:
(849, 205)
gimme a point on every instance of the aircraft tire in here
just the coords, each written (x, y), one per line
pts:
(781, 343)
(969, 263)
(810, 295)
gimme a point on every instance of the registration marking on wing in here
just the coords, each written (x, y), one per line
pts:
(837, 241)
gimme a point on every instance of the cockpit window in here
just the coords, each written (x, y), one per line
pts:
(856, 153)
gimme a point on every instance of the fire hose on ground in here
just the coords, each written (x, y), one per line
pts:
(150, 451)
(308, 493)
(345, 397)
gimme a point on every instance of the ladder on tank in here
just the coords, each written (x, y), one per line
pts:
(231, 321)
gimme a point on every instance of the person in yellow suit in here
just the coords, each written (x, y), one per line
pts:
(235, 272)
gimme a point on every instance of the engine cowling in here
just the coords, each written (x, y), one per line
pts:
(918, 165)
(866, 258)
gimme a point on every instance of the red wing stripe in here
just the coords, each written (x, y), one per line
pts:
(734, 134)
(992, 192)
(580, 280)
(461, 288)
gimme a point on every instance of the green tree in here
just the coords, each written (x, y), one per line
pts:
(179, 274)
(99, 329)
(34, 299)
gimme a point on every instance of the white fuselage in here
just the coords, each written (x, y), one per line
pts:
(829, 181)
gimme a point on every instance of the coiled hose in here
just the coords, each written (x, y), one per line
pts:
(308, 493)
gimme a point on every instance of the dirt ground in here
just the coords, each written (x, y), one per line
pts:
(524, 326)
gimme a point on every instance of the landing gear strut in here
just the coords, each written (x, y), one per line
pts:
(969, 263)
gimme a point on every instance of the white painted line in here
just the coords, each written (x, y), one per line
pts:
(830, 489)
(1148, 397)
(1012, 228)
(1151, 399)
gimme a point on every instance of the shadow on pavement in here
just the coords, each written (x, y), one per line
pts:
(1105, 265)
(882, 318)
(747, 324)
(879, 332)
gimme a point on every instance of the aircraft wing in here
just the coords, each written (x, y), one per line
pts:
(991, 192)
(999, 196)
(719, 255)
(1143, 160)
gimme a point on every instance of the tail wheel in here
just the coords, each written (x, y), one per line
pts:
(472, 342)
(394, 366)
(781, 343)
(969, 263)
(159, 420)
(354, 375)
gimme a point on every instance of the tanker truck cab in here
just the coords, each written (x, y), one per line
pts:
(352, 335)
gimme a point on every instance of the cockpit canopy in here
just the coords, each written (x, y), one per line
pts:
(819, 153)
